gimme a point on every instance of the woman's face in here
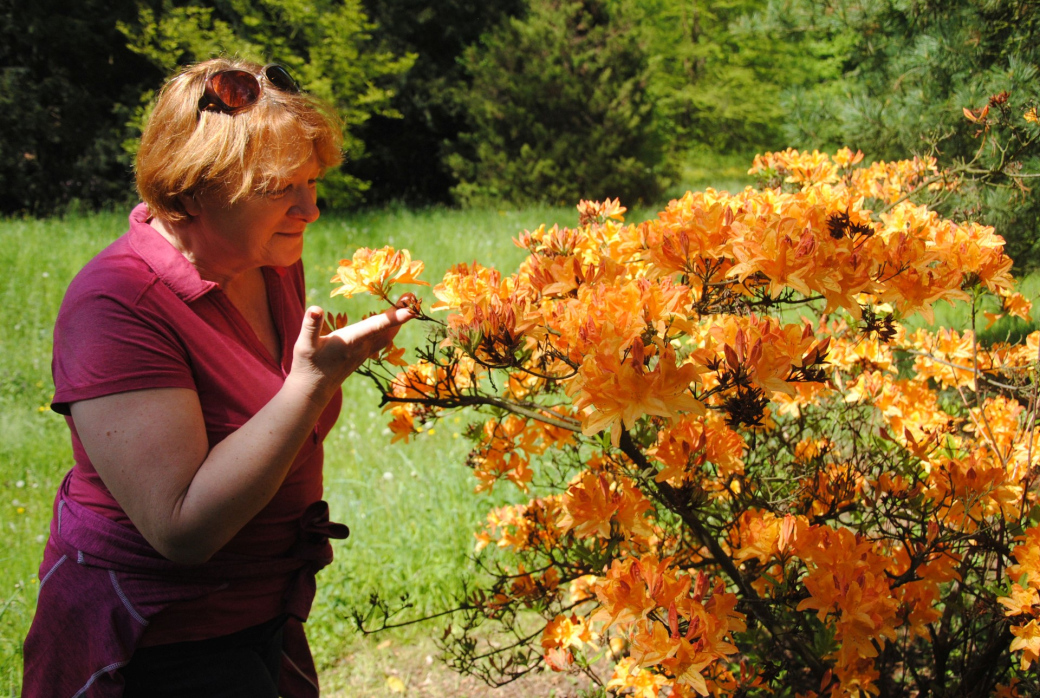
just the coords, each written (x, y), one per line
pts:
(261, 229)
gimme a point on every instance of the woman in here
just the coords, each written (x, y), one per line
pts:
(198, 389)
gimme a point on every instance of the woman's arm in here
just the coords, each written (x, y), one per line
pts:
(150, 446)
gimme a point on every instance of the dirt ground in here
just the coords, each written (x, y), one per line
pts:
(394, 667)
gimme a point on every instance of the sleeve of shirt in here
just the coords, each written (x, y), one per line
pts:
(107, 342)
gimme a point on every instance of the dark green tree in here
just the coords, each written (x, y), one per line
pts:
(559, 109)
(76, 79)
(403, 153)
(65, 74)
(719, 72)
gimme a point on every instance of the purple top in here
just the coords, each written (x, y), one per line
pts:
(139, 316)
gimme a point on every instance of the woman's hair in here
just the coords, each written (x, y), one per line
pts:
(184, 150)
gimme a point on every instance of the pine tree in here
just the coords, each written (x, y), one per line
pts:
(911, 71)
(559, 110)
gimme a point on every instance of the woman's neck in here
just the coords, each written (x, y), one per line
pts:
(245, 288)
(193, 246)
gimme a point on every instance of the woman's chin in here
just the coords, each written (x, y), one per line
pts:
(288, 251)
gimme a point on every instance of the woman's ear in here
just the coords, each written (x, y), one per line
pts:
(189, 204)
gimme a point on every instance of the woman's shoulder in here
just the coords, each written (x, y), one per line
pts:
(122, 271)
(115, 271)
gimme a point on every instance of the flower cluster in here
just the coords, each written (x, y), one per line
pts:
(751, 475)
(375, 271)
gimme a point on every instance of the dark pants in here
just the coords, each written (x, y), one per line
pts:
(241, 665)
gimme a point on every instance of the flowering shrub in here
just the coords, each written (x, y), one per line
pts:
(750, 477)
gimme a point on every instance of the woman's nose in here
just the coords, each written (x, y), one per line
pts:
(306, 206)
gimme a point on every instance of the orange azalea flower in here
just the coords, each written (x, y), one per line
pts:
(1017, 305)
(402, 424)
(1007, 690)
(763, 535)
(492, 465)
(465, 284)
(795, 166)
(632, 510)
(581, 589)
(910, 407)
(921, 598)
(559, 659)
(652, 643)
(566, 631)
(888, 181)
(375, 271)
(599, 212)
(849, 349)
(528, 587)
(622, 595)
(849, 587)
(1027, 639)
(608, 318)
(846, 158)
(688, 664)
(1020, 602)
(640, 683)
(766, 349)
(589, 506)
(692, 441)
(832, 487)
(691, 232)
(592, 504)
(521, 526)
(947, 356)
(614, 395)
(393, 355)
(1027, 557)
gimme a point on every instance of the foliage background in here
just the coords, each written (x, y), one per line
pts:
(459, 102)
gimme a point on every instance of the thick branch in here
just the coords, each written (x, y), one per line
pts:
(758, 607)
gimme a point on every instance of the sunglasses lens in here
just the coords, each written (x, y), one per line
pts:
(280, 78)
(235, 88)
(231, 90)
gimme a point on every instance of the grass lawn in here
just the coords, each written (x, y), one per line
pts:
(410, 507)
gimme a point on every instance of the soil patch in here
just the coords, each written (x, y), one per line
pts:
(411, 667)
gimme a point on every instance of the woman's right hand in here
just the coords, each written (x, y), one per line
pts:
(321, 363)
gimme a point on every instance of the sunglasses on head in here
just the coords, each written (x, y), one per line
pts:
(231, 91)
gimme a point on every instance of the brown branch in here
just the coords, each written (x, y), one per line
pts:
(530, 411)
(758, 607)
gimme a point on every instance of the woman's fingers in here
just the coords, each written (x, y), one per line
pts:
(329, 359)
(376, 328)
(312, 319)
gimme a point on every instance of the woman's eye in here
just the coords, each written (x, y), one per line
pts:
(275, 193)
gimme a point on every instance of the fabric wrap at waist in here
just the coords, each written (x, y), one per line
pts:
(101, 582)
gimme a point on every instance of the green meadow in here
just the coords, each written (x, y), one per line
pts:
(410, 507)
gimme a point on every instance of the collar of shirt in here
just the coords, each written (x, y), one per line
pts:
(172, 268)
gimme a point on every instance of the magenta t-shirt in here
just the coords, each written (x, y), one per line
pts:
(139, 316)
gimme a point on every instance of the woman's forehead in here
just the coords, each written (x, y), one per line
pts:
(309, 167)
